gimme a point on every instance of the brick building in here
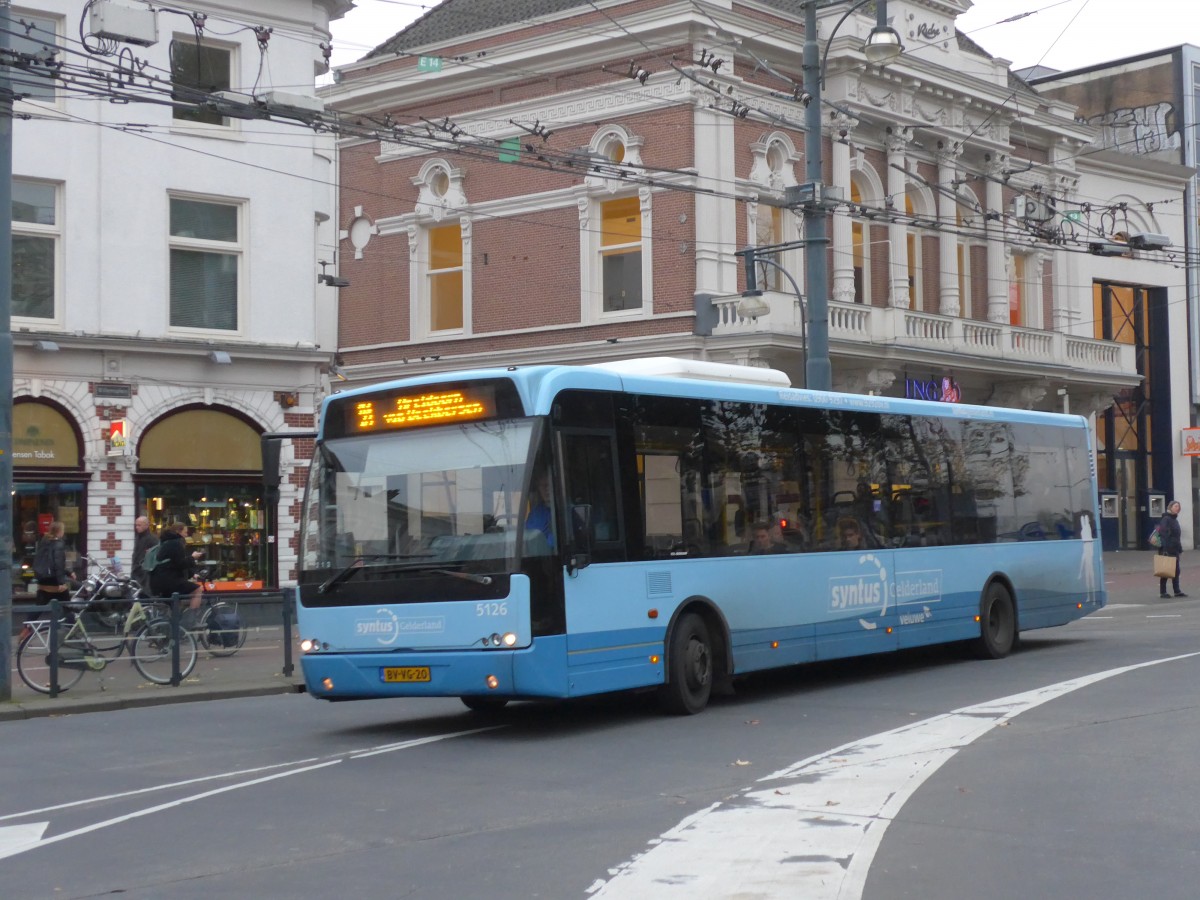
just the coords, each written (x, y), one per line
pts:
(552, 181)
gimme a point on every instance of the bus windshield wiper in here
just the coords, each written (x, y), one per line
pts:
(334, 580)
(361, 563)
(468, 576)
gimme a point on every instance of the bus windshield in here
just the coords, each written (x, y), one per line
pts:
(448, 497)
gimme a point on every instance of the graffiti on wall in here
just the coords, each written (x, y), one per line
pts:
(1138, 129)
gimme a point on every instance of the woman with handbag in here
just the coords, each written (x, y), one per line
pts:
(1172, 545)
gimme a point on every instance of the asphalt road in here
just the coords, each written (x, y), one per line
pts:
(1066, 770)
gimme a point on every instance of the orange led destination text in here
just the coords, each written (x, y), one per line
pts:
(421, 410)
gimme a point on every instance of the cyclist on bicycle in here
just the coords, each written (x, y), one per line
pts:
(175, 567)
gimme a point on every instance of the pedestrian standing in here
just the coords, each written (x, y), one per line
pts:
(144, 541)
(1172, 545)
(50, 565)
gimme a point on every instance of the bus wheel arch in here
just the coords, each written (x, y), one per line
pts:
(999, 625)
(696, 657)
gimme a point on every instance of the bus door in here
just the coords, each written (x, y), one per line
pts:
(605, 597)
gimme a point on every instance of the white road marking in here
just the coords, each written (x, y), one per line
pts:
(20, 837)
(818, 823)
(16, 839)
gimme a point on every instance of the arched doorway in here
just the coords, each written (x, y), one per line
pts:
(203, 466)
(48, 483)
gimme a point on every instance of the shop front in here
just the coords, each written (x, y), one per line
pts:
(49, 484)
(203, 467)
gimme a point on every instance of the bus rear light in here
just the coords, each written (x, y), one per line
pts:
(492, 682)
(327, 683)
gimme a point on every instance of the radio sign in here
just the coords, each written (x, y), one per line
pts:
(418, 409)
(1189, 441)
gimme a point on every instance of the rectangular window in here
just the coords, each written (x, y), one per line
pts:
(914, 270)
(445, 278)
(770, 231)
(197, 71)
(36, 35)
(1024, 293)
(621, 254)
(206, 257)
(35, 240)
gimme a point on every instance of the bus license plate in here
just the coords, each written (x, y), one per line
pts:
(394, 674)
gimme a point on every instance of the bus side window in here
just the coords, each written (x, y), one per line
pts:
(588, 461)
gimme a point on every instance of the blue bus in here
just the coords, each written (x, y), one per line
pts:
(558, 531)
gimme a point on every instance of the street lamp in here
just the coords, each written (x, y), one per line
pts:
(883, 45)
(752, 309)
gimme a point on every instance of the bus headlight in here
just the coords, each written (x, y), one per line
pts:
(310, 645)
(510, 639)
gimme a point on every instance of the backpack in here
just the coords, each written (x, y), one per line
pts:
(150, 561)
(43, 560)
(1156, 537)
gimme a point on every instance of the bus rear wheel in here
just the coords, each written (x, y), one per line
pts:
(479, 704)
(689, 667)
(997, 624)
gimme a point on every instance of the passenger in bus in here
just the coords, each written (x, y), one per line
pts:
(541, 515)
(850, 534)
(766, 539)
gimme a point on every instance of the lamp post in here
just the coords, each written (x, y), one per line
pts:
(752, 292)
(883, 45)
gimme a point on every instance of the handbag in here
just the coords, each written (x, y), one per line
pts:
(1164, 566)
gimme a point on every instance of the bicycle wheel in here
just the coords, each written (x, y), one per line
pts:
(222, 631)
(33, 661)
(105, 627)
(152, 652)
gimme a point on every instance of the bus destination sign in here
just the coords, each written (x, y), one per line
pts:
(411, 410)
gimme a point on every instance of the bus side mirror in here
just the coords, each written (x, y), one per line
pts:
(581, 535)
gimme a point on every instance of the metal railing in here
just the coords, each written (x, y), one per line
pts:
(54, 614)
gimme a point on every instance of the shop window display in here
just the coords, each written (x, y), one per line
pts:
(227, 526)
(35, 506)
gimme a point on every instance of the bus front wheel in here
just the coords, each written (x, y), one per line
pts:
(997, 624)
(690, 667)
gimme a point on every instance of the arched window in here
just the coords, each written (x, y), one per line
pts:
(440, 280)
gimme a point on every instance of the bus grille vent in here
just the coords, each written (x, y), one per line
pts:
(658, 582)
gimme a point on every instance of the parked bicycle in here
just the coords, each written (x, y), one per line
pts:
(105, 596)
(147, 639)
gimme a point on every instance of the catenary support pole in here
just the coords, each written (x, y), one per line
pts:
(6, 357)
(817, 369)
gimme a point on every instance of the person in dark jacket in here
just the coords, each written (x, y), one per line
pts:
(57, 581)
(144, 541)
(173, 574)
(1172, 545)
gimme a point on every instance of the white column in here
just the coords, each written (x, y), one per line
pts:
(897, 182)
(948, 294)
(843, 228)
(1070, 297)
(997, 271)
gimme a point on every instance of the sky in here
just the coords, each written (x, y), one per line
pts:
(1061, 34)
